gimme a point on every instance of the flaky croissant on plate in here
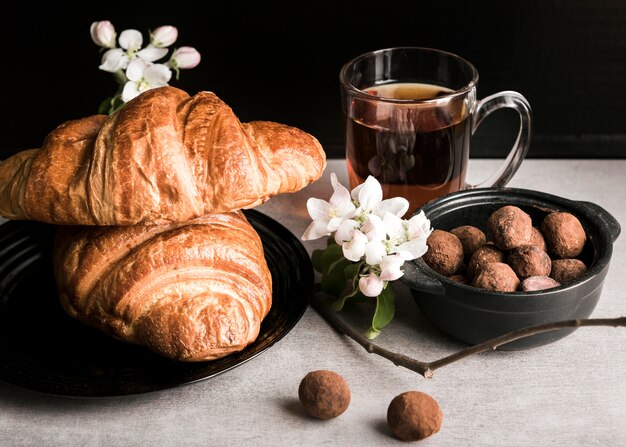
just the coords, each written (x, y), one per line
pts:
(189, 291)
(165, 157)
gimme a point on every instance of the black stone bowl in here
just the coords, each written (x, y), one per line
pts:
(475, 315)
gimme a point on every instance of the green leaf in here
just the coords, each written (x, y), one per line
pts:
(352, 271)
(316, 259)
(331, 254)
(385, 310)
(334, 280)
(104, 106)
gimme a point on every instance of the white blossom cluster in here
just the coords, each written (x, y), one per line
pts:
(369, 229)
(136, 68)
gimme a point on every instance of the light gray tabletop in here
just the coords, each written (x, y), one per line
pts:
(569, 393)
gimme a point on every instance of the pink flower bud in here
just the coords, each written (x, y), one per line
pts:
(184, 57)
(103, 34)
(371, 285)
(164, 36)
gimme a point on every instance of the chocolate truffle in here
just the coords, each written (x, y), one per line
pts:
(534, 283)
(484, 255)
(566, 271)
(471, 238)
(445, 252)
(530, 260)
(564, 234)
(509, 227)
(324, 394)
(497, 276)
(414, 415)
(537, 239)
(461, 279)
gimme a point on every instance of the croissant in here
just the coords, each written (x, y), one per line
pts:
(165, 157)
(189, 291)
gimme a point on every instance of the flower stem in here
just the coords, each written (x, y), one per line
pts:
(427, 369)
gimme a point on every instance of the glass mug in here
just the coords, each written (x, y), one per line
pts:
(409, 115)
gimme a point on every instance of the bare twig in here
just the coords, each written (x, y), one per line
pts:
(427, 369)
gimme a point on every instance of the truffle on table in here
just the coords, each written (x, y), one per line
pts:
(509, 227)
(530, 260)
(471, 238)
(445, 252)
(564, 234)
(324, 394)
(414, 415)
(566, 271)
(498, 277)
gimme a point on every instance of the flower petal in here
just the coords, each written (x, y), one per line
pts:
(315, 230)
(355, 249)
(151, 53)
(390, 267)
(419, 226)
(412, 249)
(130, 91)
(374, 228)
(370, 194)
(318, 208)
(394, 227)
(345, 231)
(114, 60)
(164, 36)
(157, 75)
(371, 285)
(136, 69)
(375, 251)
(131, 39)
(340, 200)
(184, 57)
(396, 205)
(103, 34)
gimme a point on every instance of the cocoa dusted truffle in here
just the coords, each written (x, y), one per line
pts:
(498, 277)
(566, 271)
(461, 279)
(564, 234)
(484, 255)
(471, 238)
(445, 252)
(414, 415)
(324, 394)
(537, 239)
(534, 283)
(530, 260)
(509, 227)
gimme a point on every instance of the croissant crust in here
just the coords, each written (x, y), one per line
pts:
(165, 157)
(189, 291)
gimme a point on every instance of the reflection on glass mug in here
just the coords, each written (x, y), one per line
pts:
(409, 115)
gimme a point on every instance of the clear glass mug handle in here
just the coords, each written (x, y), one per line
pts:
(509, 167)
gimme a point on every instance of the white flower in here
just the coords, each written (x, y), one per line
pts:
(327, 216)
(151, 53)
(354, 249)
(390, 267)
(184, 57)
(408, 238)
(369, 197)
(131, 40)
(103, 34)
(142, 76)
(371, 285)
(114, 60)
(163, 36)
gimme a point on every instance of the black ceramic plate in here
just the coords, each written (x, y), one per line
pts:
(43, 349)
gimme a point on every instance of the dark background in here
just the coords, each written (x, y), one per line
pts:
(281, 63)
